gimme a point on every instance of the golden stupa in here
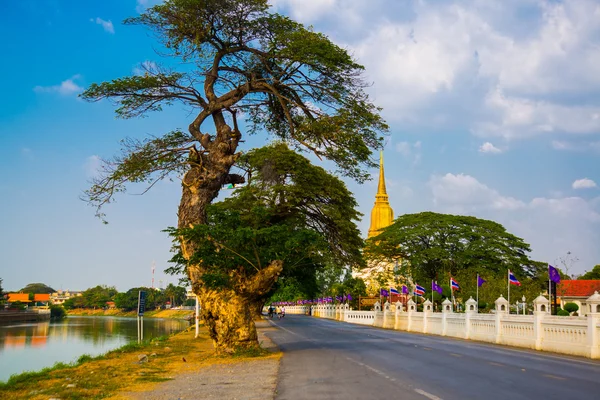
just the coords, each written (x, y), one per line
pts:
(382, 214)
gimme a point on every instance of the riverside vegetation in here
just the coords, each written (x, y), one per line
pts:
(131, 368)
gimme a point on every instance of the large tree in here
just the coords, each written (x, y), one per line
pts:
(239, 60)
(432, 246)
(292, 214)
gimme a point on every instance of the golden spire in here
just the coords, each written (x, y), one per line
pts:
(382, 214)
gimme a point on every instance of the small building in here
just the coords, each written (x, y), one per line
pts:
(577, 291)
(61, 296)
(110, 305)
(21, 297)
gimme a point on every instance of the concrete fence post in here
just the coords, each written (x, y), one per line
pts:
(471, 308)
(446, 309)
(541, 308)
(412, 308)
(399, 309)
(502, 308)
(593, 315)
(427, 310)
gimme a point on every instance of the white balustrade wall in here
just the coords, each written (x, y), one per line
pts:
(540, 331)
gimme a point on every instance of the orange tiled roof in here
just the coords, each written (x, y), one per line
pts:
(578, 288)
(22, 297)
(41, 297)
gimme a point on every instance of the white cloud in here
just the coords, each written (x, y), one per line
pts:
(488, 147)
(552, 226)
(305, 10)
(93, 166)
(106, 25)
(463, 193)
(584, 183)
(410, 151)
(514, 117)
(67, 87)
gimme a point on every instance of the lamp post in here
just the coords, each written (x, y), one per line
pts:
(523, 298)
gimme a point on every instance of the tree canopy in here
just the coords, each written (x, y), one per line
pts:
(593, 274)
(37, 288)
(433, 245)
(291, 211)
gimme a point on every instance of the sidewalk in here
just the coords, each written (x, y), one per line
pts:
(239, 380)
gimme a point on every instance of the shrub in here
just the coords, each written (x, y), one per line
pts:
(563, 313)
(481, 305)
(57, 312)
(571, 307)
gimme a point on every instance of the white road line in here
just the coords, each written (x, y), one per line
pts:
(428, 395)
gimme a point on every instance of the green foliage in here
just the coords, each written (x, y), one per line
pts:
(1, 291)
(594, 274)
(18, 305)
(57, 312)
(290, 211)
(128, 301)
(571, 307)
(37, 288)
(436, 245)
(563, 313)
(288, 80)
(175, 294)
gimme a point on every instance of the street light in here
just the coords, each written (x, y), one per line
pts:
(523, 298)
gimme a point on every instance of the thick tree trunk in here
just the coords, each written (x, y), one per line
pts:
(229, 314)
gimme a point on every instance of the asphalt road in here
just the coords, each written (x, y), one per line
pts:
(325, 359)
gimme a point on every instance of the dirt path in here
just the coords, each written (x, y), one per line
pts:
(249, 379)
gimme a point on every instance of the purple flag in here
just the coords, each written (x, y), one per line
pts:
(436, 287)
(384, 293)
(404, 289)
(349, 298)
(553, 274)
(480, 281)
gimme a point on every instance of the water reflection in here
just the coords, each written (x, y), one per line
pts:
(33, 346)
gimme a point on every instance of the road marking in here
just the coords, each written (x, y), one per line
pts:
(428, 395)
(427, 348)
(496, 364)
(559, 378)
(455, 355)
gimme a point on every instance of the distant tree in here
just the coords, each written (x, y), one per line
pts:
(74, 302)
(98, 296)
(1, 293)
(436, 245)
(37, 288)
(571, 307)
(175, 294)
(57, 312)
(591, 275)
(237, 58)
(129, 300)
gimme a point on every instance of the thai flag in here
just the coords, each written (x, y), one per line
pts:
(454, 284)
(394, 291)
(512, 280)
(419, 290)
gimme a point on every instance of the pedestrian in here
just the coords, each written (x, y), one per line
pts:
(282, 312)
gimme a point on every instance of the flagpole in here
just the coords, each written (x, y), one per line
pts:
(508, 284)
(477, 284)
(550, 290)
(431, 295)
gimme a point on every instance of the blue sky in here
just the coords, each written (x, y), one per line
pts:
(494, 109)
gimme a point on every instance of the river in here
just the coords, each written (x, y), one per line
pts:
(33, 346)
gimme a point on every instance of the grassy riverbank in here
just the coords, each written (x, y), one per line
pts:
(174, 314)
(131, 368)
